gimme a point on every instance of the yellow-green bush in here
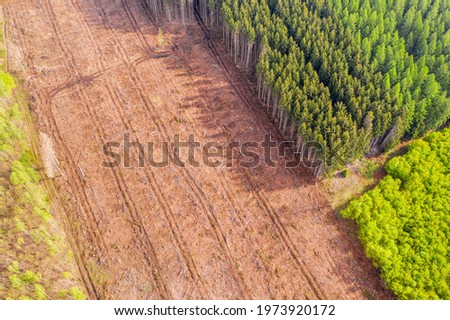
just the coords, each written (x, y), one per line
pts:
(404, 223)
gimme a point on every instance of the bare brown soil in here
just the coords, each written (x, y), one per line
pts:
(94, 71)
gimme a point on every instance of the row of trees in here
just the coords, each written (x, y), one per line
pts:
(172, 9)
(404, 223)
(183, 10)
(291, 86)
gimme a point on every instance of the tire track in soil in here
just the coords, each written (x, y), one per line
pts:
(120, 183)
(85, 204)
(222, 179)
(69, 159)
(137, 221)
(231, 199)
(260, 194)
(198, 192)
(172, 219)
(195, 188)
(201, 194)
(225, 184)
(169, 215)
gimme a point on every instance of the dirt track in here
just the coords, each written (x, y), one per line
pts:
(94, 73)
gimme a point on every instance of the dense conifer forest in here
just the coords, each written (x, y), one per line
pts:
(366, 72)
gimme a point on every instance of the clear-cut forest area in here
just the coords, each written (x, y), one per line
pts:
(356, 89)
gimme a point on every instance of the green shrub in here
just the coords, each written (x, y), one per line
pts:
(77, 293)
(14, 267)
(30, 277)
(16, 281)
(7, 84)
(23, 174)
(404, 223)
(20, 241)
(20, 225)
(39, 290)
(43, 214)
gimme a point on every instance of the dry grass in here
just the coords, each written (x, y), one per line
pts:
(363, 175)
